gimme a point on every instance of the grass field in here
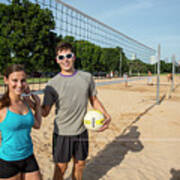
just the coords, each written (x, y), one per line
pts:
(30, 80)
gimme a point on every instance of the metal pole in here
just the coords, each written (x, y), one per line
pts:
(158, 74)
(120, 64)
(173, 72)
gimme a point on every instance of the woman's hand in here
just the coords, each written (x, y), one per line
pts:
(32, 99)
(26, 97)
(36, 99)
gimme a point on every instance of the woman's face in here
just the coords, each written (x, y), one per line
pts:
(16, 82)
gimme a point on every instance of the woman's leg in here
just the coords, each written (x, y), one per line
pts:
(32, 176)
(16, 177)
(31, 169)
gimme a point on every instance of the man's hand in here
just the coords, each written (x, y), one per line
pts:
(106, 123)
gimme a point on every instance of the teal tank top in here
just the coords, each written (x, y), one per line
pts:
(16, 143)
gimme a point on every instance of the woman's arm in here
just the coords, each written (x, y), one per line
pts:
(2, 117)
(34, 104)
(38, 117)
(37, 111)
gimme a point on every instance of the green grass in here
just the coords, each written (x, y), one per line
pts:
(37, 80)
(30, 80)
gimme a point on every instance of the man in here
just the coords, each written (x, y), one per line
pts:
(69, 91)
(125, 76)
(149, 82)
(169, 77)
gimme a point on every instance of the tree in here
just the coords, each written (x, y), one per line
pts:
(26, 35)
(109, 59)
(165, 67)
(87, 55)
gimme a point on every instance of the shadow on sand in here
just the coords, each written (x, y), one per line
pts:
(175, 174)
(177, 86)
(113, 154)
(143, 113)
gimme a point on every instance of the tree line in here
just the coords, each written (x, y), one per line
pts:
(28, 36)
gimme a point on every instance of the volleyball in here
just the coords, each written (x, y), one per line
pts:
(93, 120)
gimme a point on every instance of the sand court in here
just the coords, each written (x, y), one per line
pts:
(142, 142)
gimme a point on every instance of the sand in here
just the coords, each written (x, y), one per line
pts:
(143, 139)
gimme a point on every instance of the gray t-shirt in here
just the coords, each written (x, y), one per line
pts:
(70, 93)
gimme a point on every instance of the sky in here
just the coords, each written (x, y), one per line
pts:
(151, 22)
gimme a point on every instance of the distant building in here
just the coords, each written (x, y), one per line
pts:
(166, 59)
(178, 62)
(133, 56)
(153, 60)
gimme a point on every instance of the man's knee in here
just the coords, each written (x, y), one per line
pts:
(61, 167)
(80, 165)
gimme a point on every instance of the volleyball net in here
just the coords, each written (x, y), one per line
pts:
(100, 49)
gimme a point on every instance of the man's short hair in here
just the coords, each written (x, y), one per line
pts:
(64, 46)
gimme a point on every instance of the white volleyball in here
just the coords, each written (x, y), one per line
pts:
(93, 120)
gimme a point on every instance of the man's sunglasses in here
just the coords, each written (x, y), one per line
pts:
(68, 56)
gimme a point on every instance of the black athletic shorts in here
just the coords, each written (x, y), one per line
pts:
(64, 147)
(11, 168)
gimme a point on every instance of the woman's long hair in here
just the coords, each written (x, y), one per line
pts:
(5, 100)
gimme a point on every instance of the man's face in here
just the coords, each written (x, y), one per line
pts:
(66, 60)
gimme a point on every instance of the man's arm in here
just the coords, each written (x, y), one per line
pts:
(50, 97)
(45, 110)
(96, 104)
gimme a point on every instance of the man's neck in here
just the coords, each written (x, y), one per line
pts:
(71, 72)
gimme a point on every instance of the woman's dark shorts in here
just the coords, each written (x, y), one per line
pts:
(11, 168)
(66, 147)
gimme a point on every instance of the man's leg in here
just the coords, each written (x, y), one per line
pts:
(81, 146)
(78, 168)
(61, 155)
(59, 171)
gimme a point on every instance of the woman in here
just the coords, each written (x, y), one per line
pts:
(17, 161)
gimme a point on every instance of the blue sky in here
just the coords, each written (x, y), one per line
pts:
(150, 22)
